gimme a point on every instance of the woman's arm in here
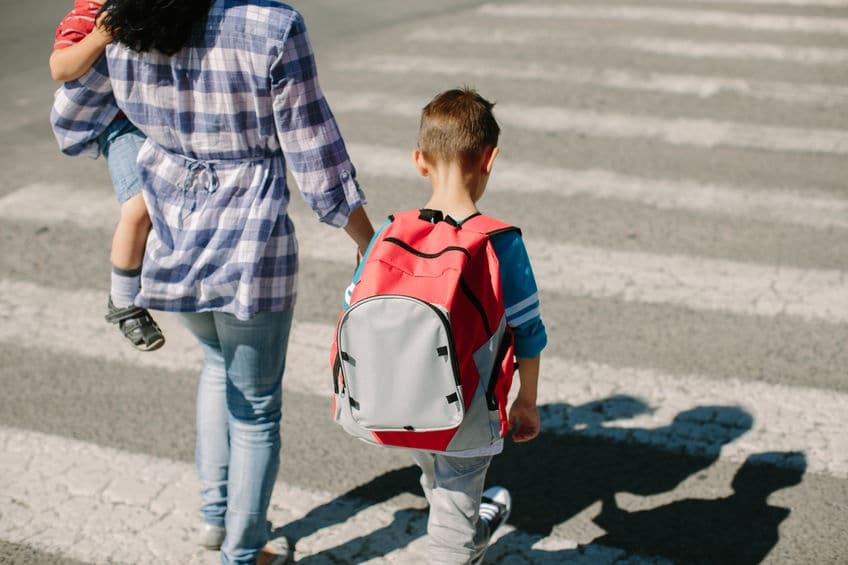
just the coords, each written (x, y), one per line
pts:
(72, 62)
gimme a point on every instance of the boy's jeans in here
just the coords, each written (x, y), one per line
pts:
(239, 405)
(453, 487)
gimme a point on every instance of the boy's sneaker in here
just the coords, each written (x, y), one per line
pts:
(495, 507)
(137, 326)
(211, 537)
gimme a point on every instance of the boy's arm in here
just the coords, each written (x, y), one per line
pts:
(72, 62)
(524, 414)
(521, 298)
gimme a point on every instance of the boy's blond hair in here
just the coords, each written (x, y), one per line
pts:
(457, 125)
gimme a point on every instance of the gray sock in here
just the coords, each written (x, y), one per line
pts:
(125, 286)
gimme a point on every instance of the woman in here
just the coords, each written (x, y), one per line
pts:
(226, 92)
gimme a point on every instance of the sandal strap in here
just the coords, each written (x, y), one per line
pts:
(120, 314)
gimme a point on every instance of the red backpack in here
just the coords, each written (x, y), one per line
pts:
(423, 357)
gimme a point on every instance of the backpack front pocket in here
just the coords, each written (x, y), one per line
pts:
(399, 367)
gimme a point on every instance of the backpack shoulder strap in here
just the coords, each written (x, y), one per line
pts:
(488, 225)
(478, 223)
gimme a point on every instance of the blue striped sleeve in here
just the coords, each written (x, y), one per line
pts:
(521, 295)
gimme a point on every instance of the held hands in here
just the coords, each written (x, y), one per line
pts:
(524, 420)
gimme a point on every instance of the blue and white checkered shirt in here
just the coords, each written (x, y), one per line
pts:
(225, 117)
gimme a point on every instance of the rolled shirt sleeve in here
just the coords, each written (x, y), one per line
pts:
(82, 110)
(309, 136)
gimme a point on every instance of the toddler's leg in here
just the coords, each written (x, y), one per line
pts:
(128, 251)
(127, 254)
(121, 145)
(130, 236)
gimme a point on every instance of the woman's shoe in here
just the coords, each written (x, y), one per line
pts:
(211, 537)
(276, 552)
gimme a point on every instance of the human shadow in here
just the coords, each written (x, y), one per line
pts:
(741, 528)
(581, 462)
(345, 506)
(577, 461)
(407, 525)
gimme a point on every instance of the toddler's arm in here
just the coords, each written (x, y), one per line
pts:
(72, 62)
(524, 414)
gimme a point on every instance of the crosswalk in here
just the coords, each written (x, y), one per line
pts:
(722, 19)
(625, 79)
(700, 133)
(140, 507)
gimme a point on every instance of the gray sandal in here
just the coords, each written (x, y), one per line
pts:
(137, 326)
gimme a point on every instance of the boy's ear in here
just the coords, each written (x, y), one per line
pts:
(490, 153)
(420, 163)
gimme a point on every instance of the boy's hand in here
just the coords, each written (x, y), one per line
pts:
(524, 420)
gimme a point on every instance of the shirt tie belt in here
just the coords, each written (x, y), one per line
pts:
(199, 175)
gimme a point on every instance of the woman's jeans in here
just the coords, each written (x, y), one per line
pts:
(239, 405)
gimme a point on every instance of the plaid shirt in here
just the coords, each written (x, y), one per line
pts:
(225, 117)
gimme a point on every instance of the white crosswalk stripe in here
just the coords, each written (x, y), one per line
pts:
(698, 283)
(801, 3)
(738, 50)
(700, 133)
(656, 44)
(619, 78)
(672, 16)
(806, 207)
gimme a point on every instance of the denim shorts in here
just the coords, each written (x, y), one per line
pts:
(120, 144)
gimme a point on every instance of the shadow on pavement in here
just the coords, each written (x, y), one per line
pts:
(579, 462)
(741, 528)
(557, 476)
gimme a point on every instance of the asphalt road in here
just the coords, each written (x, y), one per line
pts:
(679, 171)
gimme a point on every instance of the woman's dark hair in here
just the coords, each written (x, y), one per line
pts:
(147, 25)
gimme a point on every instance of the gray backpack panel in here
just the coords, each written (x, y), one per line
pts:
(416, 391)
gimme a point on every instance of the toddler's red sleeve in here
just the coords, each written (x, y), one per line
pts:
(73, 27)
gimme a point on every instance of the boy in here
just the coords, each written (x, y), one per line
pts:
(80, 41)
(457, 147)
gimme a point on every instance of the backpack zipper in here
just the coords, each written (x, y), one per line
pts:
(496, 369)
(407, 247)
(477, 305)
